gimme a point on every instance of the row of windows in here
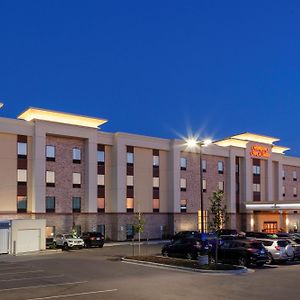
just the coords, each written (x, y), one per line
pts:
(294, 173)
(294, 191)
(183, 185)
(220, 165)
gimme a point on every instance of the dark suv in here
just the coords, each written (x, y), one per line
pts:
(93, 239)
(243, 252)
(189, 248)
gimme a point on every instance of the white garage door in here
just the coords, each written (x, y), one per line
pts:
(4, 241)
(28, 240)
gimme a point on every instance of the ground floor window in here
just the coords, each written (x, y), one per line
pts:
(270, 227)
(101, 229)
(50, 231)
(129, 231)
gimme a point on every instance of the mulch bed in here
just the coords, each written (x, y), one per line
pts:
(193, 264)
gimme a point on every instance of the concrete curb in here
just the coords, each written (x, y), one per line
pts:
(42, 252)
(243, 270)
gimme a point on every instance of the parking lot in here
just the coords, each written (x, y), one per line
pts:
(99, 274)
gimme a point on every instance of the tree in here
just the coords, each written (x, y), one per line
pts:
(217, 210)
(139, 227)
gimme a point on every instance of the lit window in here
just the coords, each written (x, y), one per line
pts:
(50, 153)
(183, 204)
(101, 204)
(295, 192)
(294, 175)
(220, 167)
(129, 180)
(76, 155)
(76, 204)
(256, 170)
(129, 204)
(155, 205)
(156, 182)
(50, 204)
(50, 178)
(183, 184)
(100, 179)
(256, 187)
(101, 156)
(22, 175)
(183, 163)
(221, 185)
(21, 203)
(130, 158)
(22, 149)
(76, 179)
(155, 160)
(204, 185)
(204, 165)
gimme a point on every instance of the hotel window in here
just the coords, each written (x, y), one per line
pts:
(294, 175)
(76, 204)
(220, 167)
(76, 156)
(50, 204)
(183, 163)
(155, 182)
(100, 157)
(183, 204)
(283, 191)
(100, 179)
(204, 185)
(50, 153)
(129, 204)
(129, 180)
(256, 170)
(130, 155)
(22, 176)
(101, 228)
(101, 204)
(155, 205)
(155, 160)
(283, 174)
(22, 150)
(256, 187)
(21, 204)
(183, 184)
(76, 180)
(295, 192)
(221, 185)
(50, 178)
(204, 165)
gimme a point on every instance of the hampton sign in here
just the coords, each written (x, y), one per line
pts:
(260, 151)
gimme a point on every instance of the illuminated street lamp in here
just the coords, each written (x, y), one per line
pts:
(194, 144)
(1, 104)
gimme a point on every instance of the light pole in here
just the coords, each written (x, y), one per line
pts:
(193, 143)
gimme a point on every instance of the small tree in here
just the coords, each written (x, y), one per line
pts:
(217, 210)
(139, 227)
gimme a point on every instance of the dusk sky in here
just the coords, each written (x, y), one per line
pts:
(157, 68)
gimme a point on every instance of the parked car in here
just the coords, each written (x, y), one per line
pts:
(260, 235)
(226, 232)
(240, 251)
(296, 249)
(189, 248)
(187, 234)
(67, 241)
(279, 250)
(93, 239)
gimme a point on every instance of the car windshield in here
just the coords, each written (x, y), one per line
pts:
(69, 236)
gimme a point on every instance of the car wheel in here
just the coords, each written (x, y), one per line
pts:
(212, 260)
(100, 246)
(260, 264)
(66, 247)
(242, 261)
(292, 258)
(270, 259)
(165, 253)
(54, 245)
(189, 255)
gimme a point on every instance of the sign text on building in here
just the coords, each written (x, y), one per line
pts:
(260, 151)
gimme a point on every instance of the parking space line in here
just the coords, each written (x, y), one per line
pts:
(42, 285)
(23, 272)
(26, 278)
(73, 295)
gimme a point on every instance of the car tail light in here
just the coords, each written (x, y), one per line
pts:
(102, 237)
(277, 248)
(93, 238)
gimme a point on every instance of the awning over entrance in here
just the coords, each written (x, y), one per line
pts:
(273, 206)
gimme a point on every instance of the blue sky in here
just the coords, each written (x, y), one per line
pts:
(158, 68)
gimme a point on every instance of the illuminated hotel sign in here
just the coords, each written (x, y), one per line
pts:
(260, 151)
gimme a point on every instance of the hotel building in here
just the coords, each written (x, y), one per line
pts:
(61, 167)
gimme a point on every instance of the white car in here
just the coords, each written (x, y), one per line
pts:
(67, 241)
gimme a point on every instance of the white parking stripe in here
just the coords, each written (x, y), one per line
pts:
(26, 278)
(42, 285)
(73, 295)
(24, 272)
